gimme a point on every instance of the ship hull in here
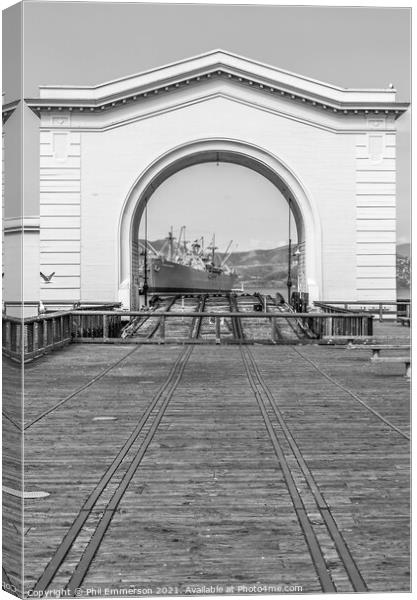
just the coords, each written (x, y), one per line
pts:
(167, 276)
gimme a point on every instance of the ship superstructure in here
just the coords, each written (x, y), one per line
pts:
(181, 265)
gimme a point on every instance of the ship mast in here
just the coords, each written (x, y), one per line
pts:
(213, 248)
(227, 254)
(171, 244)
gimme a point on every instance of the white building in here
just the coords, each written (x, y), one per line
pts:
(103, 150)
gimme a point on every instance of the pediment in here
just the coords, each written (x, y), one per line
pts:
(219, 66)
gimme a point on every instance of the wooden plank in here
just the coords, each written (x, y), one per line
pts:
(209, 501)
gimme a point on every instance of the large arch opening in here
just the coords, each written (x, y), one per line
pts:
(224, 151)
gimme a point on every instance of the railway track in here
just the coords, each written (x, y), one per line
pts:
(237, 326)
(197, 321)
(109, 491)
(146, 327)
(304, 491)
(78, 390)
(216, 303)
(333, 562)
(287, 330)
(203, 329)
(78, 548)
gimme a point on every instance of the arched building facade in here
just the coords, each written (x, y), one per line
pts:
(104, 150)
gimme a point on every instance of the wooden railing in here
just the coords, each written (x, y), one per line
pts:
(96, 326)
(26, 339)
(91, 324)
(345, 325)
(375, 307)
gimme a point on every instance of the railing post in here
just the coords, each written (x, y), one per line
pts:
(8, 336)
(45, 333)
(380, 313)
(39, 335)
(217, 330)
(35, 336)
(105, 327)
(30, 334)
(19, 331)
(273, 329)
(329, 326)
(162, 330)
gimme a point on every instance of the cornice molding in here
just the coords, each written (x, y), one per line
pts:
(21, 224)
(212, 66)
(8, 109)
(123, 120)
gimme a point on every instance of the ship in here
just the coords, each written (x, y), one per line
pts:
(187, 266)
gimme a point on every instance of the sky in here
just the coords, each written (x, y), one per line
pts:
(216, 208)
(346, 46)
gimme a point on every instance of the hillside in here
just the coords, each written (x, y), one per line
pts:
(268, 268)
(404, 250)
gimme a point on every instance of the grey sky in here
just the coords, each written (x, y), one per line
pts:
(88, 43)
(231, 201)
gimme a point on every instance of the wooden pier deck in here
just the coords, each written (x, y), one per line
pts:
(261, 466)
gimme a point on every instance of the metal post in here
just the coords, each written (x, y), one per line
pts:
(145, 282)
(289, 280)
(380, 313)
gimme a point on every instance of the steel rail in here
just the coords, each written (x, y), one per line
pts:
(237, 327)
(292, 325)
(12, 421)
(79, 390)
(156, 314)
(168, 388)
(313, 545)
(93, 545)
(354, 396)
(196, 323)
(6, 581)
(349, 564)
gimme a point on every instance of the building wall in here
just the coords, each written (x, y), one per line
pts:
(89, 164)
(376, 218)
(60, 210)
